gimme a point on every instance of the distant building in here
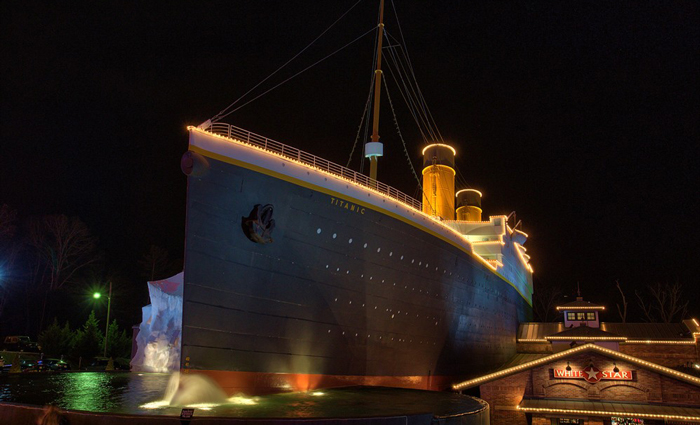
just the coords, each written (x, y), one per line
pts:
(584, 371)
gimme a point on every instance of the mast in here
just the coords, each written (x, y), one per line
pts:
(375, 149)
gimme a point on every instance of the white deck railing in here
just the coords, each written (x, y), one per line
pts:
(262, 142)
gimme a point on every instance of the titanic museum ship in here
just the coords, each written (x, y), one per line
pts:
(301, 273)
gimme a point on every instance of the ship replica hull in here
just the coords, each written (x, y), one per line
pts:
(347, 286)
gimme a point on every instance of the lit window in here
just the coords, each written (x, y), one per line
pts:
(570, 316)
(590, 316)
(580, 316)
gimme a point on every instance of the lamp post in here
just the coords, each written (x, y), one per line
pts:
(97, 295)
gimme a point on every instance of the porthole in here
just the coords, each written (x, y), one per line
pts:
(350, 240)
(318, 231)
(379, 249)
(365, 245)
(335, 235)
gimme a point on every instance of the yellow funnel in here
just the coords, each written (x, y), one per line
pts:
(439, 181)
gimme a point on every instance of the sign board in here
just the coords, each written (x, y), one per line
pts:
(592, 374)
(186, 413)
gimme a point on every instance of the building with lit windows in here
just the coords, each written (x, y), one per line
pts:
(584, 371)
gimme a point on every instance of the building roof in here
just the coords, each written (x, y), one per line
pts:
(580, 304)
(602, 408)
(649, 331)
(502, 373)
(522, 358)
(585, 333)
(655, 332)
(537, 331)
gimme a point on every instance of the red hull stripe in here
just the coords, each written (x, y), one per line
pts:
(259, 383)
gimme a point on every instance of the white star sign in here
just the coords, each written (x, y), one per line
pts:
(593, 375)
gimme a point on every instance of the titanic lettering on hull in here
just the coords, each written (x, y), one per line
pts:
(347, 205)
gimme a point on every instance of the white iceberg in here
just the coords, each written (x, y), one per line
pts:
(158, 339)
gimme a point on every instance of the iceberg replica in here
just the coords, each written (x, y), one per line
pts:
(158, 339)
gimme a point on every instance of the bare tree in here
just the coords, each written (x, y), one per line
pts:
(156, 263)
(645, 306)
(64, 247)
(622, 310)
(666, 302)
(544, 301)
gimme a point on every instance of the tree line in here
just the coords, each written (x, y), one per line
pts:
(49, 267)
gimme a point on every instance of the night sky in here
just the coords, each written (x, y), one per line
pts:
(581, 116)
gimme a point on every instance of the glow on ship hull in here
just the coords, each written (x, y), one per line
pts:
(356, 287)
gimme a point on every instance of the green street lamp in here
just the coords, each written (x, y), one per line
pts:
(96, 296)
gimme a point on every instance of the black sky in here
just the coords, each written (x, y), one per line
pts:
(581, 116)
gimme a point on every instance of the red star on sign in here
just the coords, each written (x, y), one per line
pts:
(592, 374)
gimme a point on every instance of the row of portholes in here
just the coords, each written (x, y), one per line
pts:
(420, 291)
(389, 310)
(381, 338)
(391, 253)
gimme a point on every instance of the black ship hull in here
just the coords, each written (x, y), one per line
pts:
(341, 292)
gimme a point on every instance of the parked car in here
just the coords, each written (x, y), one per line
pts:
(23, 365)
(20, 343)
(48, 365)
(99, 364)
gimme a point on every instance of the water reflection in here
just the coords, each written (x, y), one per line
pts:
(146, 394)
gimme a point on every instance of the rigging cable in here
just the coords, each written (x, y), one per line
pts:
(416, 96)
(371, 92)
(411, 102)
(359, 128)
(403, 142)
(393, 6)
(223, 113)
(295, 75)
(404, 93)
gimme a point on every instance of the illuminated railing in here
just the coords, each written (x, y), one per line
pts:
(295, 154)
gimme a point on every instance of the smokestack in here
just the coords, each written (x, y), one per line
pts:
(469, 205)
(439, 181)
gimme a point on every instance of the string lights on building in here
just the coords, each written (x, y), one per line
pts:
(588, 346)
(606, 413)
